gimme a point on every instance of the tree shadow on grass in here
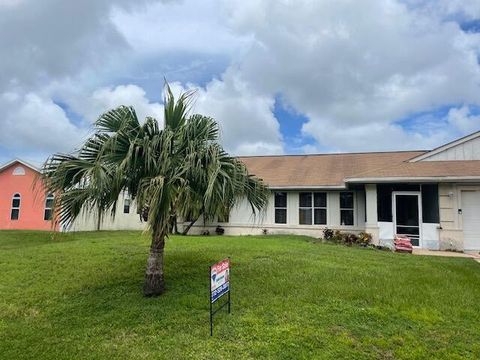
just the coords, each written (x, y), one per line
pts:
(17, 239)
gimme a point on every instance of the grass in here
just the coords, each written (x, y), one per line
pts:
(79, 296)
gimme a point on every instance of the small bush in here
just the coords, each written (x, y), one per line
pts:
(219, 230)
(364, 238)
(345, 238)
(328, 234)
(350, 239)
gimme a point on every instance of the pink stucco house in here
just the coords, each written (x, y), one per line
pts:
(24, 203)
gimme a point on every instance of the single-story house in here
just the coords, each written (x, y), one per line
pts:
(432, 196)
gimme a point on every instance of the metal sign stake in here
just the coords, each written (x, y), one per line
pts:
(219, 279)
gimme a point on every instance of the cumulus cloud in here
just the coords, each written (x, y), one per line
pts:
(354, 68)
(91, 106)
(36, 126)
(463, 119)
(245, 116)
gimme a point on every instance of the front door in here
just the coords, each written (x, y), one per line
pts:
(407, 214)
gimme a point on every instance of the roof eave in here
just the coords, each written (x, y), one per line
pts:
(400, 179)
(11, 162)
(308, 187)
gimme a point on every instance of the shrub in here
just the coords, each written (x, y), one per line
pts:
(350, 239)
(219, 230)
(337, 237)
(328, 234)
(364, 238)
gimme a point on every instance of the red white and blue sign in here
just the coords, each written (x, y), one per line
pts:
(219, 279)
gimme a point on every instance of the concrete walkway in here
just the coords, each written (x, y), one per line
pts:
(471, 255)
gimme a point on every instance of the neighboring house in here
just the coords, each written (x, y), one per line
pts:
(25, 205)
(433, 196)
(23, 201)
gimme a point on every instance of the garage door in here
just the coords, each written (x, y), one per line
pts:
(471, 219)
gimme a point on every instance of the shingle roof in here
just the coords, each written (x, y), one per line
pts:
(423, 169)
(327, 170)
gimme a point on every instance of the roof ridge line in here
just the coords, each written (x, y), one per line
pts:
(336, 154)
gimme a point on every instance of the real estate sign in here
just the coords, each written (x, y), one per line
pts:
(219, 286)
(219, 279)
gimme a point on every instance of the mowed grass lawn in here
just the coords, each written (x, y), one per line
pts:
(79, 296)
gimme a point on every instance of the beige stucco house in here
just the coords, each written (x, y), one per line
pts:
(433, 196)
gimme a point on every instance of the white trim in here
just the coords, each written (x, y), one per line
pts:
(418, 194)
(414, 178)
(19, 197)
(46, 208)
(11, 162)
(280, 208)
(312, 187)
(19, 170)
(312, 207)
(446, 147)
(354, 209)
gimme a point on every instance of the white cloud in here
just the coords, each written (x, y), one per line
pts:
(245, 116)
(186, 26)
(353, 68)
(463, 119)
(446, 9)
(91, 106)
(36, 126)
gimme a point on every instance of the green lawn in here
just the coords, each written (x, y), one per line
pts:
(79, 296)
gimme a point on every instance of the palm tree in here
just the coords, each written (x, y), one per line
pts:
(165, 171)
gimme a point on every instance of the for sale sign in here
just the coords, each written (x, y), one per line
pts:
(219, 279)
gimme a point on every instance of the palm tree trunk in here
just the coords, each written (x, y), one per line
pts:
(154, 284)
(99, 220)
(175, 225)
(187, 229)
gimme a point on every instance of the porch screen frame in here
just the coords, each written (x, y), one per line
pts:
(420, 212)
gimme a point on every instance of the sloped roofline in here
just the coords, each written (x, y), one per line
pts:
(24, 163)
(446, 147)
(331, 154)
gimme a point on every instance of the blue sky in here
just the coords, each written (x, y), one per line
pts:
(279, 76)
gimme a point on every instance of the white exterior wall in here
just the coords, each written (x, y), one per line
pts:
(372, 226)
(468, 150)
(451, 234)
(87, 221)
(451, 221)
(242, 221)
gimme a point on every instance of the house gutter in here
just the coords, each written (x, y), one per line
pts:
(309, 187)
(400, 179)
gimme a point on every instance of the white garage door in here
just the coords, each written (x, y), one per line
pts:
(471, 219)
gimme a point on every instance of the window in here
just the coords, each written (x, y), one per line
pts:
(48, 207)
(430, 206)
(126, 206)
(280, 208)
(15, 213)
(346, 208)
(19, 170)
(312, 205)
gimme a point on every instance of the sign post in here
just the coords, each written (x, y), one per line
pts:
(219, 286)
